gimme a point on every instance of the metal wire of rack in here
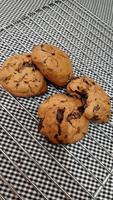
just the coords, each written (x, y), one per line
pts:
(102, 9)
(31, 167)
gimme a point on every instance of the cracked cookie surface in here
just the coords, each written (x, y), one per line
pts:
(97, 101)
(62, 119)
(20, 77)
(54, 64)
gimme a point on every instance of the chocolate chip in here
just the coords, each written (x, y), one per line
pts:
(85, 81)
(28, 56)
(18, 70)
(83, 133)
(78, 87)
(96, 108)
(56, 135)
(17, 84)
(50, 69)
(6, 78)
(42, 45)
(28, 64)
(63, 101)
(53, 54)
(34, 69)
(40, 125)
(95, 118)
(81, 109)
(59, 130)
(74, 115)
(81, 94)
(45, 61)
(77, 92)
(57, 138)
(93, 82)
(60, 115)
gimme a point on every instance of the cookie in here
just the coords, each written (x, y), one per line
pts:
(53, 63)
(20, 77)
(79, 86)
(97, 102)
(62, 119)
(98, 106)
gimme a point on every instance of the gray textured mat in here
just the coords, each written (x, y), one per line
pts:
(30, 167)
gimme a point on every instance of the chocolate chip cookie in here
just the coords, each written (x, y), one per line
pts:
(98, 106)
(62, 119)
(20, 77)
(79, 86)
(97, 102)
(53, 63)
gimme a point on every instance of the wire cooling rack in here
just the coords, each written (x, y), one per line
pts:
(30, 167)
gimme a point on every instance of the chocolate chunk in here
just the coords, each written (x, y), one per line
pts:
(50, 69)
(95, 118)
(42, 45)
(40, 125)
(17, 84)
(60, 115)
(83, 133)
(45, 61)
(57, 138)
(28, 56)
(28, 64)
(56, 135)
(34, 69)
(85, 81)
(81, 109)
(96, 108)
(78, 87)
(93, 82)
(82, 94)
(7, 78)
(74, 115)
(18, 70)
(59, 130)
(63, 101)
(83, 100)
